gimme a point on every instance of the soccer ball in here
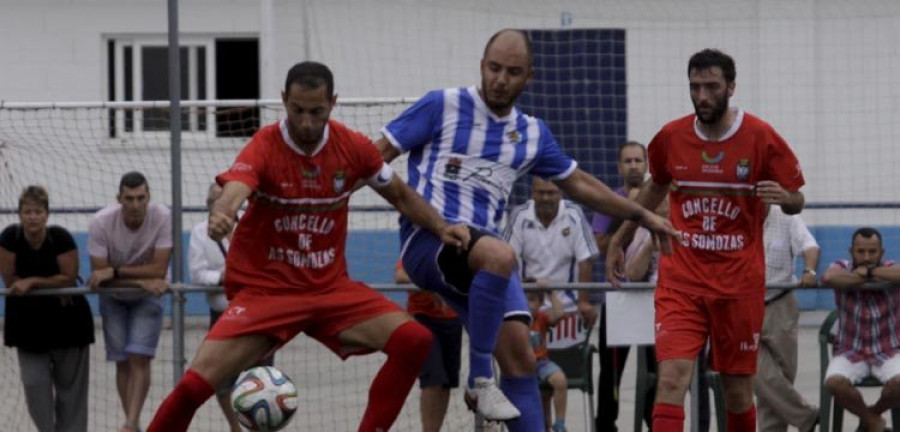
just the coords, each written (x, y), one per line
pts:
(264, 399)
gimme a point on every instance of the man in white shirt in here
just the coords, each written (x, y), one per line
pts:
(778, 403)
(553, 242)
(206, 262)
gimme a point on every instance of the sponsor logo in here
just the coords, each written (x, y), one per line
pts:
(310, 173)
(339, 180)
(746, 346)
(743, 169)
(451, 169)
(241, 166)
(565, 232)
(236, 311)
(714, 159)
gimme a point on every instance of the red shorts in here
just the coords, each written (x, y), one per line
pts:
(684, 320)
(283, 313)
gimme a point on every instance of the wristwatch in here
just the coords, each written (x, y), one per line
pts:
(810, 271)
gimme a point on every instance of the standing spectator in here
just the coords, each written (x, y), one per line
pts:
(51, 334)
(548, 372)
(786, 238)
(719, 167)
(868, 337)
(552, 242)
(632, 167)
(467, 146)
(130, 244)
(206, 260)
(440, 373)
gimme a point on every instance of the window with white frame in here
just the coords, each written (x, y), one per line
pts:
(211, 68)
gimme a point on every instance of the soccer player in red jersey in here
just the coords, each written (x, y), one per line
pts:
(719, 167)
(286, 271)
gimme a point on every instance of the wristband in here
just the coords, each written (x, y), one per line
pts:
(810, 271)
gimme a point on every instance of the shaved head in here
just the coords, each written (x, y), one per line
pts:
(511, 40)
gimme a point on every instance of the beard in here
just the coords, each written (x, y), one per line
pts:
(718, 110)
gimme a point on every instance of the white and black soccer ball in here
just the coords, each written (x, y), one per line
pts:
(264, 399)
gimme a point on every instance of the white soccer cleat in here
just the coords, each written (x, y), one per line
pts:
(488, 400)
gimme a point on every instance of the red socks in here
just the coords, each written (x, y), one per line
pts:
(668, 418)
(407, 349)
(177, 411)
(743, 422)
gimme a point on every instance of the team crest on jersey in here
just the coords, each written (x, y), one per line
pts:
(339, 180)
(565, 232)
(513, 136)
(743, 169)
(451, 169)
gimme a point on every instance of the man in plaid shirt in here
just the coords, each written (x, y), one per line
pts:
(868, 338)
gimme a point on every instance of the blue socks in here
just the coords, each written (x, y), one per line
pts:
(487, 296)
(523, 392)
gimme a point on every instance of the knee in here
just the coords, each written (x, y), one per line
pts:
(494, 256)
(415, 340)
(836, 383)
(559, 382)
(672, 383)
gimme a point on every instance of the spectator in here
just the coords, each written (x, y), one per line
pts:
(51, 334)
(553, 242)
(632, 167)
(129, 245)
(206, 260)
(868, 337)
(440, 373)
(779, 404)
(548, 372)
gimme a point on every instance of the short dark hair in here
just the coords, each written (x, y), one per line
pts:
(132, 180)
(710, 58)
(529, 51)
(310, 75)
(34, 194)
(627, 144)
(867, 232)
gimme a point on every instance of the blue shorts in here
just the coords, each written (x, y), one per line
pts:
(545, 368)
(131, 327)
(441, 369)
(421, 256)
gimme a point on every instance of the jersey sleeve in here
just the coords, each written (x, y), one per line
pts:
(8, 238)
(657, 154)
(783, 166)
(551, 161)
(97, 239)
(370, 164)
(250, 165)
(415, 126)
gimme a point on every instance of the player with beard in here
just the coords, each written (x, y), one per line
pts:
(720, 167)
(466, 148)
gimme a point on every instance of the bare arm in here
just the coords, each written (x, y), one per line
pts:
(7, 267)
(68, 273)
(602, 242)
(810, 261)
(886, 273)
(556, 310)
(651, 196)
(586, 189)
(419, 212)
(841, 278)
(585, 308)
(772, 193)
(400, 276)
(388, 151)
(224, 211)
(636, 269)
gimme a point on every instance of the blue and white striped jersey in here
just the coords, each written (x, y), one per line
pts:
(464, 159)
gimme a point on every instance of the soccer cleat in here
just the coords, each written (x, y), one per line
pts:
(488, 400)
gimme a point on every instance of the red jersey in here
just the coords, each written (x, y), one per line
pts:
(294, 231)
(712, 202)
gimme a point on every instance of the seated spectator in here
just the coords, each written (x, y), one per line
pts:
(206, 262)
(548, 372)
(868, 336)
(130, 244)
(51, 334)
